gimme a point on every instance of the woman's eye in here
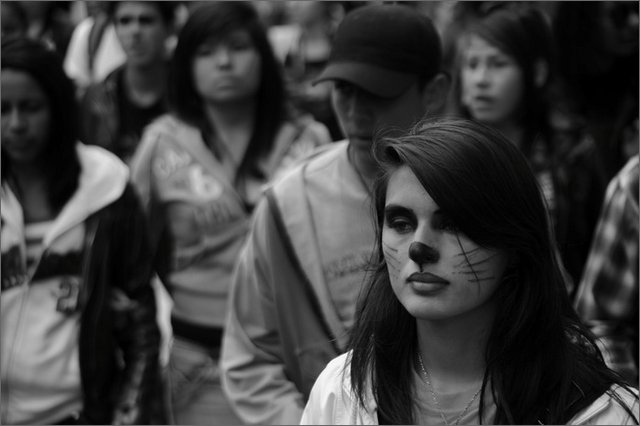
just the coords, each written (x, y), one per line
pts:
(471, 63)
(501, 61)
(401, 225)
(204, 50)
(239, 44)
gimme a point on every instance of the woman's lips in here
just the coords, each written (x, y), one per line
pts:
(426, 277)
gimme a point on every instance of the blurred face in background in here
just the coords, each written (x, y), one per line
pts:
(26, 117)
(142, 32)
(492, 83)
(227, 69)
(361, 113)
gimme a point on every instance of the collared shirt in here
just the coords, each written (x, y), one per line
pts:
(608, 295)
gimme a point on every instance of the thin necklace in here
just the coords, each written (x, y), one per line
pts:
(435, 397)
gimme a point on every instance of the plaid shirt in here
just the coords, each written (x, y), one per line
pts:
(607, 299)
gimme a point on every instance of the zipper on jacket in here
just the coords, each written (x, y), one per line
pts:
(23, 301)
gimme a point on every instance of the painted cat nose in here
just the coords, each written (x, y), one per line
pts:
(421, 253)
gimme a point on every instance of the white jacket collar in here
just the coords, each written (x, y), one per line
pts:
(103, 178)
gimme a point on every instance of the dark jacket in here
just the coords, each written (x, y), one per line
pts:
(100, 113)
(119, 370)
(101, 117)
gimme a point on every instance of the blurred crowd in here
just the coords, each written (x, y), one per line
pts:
(198, 108)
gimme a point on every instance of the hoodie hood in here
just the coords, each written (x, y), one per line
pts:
(103, 178)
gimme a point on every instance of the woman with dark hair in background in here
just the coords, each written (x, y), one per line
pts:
(201, 170)
(79, 341)
(466, 319)
(504, 75)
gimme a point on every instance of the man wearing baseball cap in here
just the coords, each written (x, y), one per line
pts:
(293, 297)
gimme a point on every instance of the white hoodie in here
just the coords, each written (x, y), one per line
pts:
(39, 325)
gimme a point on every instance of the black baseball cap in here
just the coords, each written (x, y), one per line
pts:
(384, 49)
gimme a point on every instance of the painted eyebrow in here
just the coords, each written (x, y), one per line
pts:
(397, 210)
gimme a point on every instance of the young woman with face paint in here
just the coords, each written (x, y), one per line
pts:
(466, 319)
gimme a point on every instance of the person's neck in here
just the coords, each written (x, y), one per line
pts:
(145, 85)
(364, 164)
(31, 188)
(27, 175)
(233, 125)
(453, 350)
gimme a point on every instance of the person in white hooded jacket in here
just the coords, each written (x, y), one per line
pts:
(79, 341)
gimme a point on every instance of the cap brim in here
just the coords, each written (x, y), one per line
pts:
(379, 81)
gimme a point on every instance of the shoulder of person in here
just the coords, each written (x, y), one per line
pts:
(338, 369)
(628, 175)
(299, 124)
(322, 156)
(169, 127)
(607, 410)
(334, 381)
(308, 124)
(327, 153)
(103, 177)
(163, 140)
(332, 399)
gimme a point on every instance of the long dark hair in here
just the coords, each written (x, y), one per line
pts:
(542, 364)
(522, 32)
(60, 162)
(215, 20)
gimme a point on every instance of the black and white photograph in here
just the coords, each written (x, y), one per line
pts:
(279, 212)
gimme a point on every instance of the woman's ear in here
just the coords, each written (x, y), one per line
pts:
(540, 73)
(435, 93)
